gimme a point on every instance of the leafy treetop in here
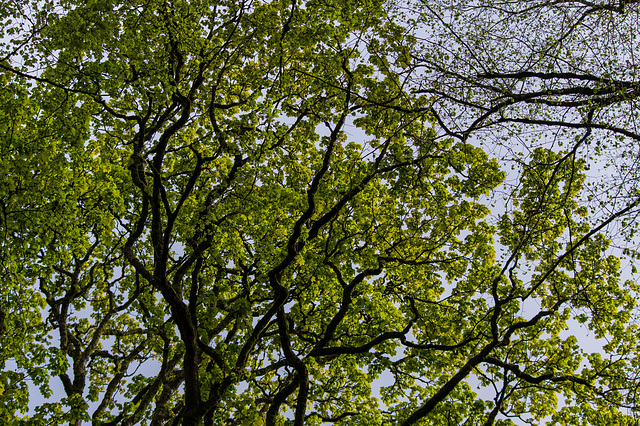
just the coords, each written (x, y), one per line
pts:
(221, 212)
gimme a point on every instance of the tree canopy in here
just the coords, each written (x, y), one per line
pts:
(321, 212)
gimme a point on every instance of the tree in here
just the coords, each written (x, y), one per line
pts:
(536, 73)
(244, 213)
